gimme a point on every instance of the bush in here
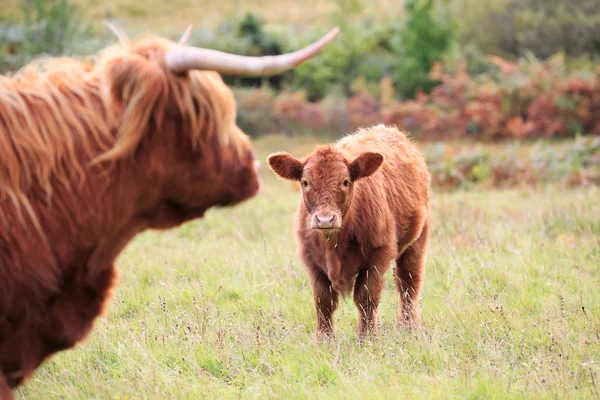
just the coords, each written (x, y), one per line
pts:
(344, 60)
(515, 101)
(514, 28)
(261, 111)
(255, 106)
(424, 38)
(577, 164)
(247, 35)
(259, 43)
(369, 51)
(50, 27)
(11, 41)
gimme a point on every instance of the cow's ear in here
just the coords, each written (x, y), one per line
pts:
(134, 80)
(285, 166)
(365, 165)
(136, 86)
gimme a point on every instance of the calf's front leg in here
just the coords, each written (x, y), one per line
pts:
(326, 301)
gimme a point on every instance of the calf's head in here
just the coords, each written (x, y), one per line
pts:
(328, 180)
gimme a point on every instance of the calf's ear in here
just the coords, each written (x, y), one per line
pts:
(365, 165)
(285, 166)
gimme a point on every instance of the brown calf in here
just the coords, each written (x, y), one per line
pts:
(365, 203)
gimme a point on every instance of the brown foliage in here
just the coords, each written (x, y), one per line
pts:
(520, 101)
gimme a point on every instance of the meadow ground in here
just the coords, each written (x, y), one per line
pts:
(222, 308)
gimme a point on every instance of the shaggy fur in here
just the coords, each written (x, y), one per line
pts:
(374, 188)
(90, 155)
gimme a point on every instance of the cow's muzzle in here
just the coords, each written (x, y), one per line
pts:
(325, 221)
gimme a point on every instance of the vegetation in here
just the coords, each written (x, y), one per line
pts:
(513, 101)
(221, 308)
(573, 164)
(424, 39)
(366, 75)
(516, 28)
(50, 27)
(378, 40)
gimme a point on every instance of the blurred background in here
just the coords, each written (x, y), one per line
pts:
(498, 93)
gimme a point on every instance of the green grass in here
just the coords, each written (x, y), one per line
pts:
(221, 308)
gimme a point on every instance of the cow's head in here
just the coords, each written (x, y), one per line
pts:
(178, 116)
(327, 178)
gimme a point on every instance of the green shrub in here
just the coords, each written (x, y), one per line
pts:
(255, 109)
(251, 27)
(577, 164)
(249, 36)
(367, 51)
(51, 27)
(11, 40)
(425, 35)
(514, 28)
(354, 52)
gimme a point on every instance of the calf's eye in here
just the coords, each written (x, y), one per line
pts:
(346, 183)
(304, 183)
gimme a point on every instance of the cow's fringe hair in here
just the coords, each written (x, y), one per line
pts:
(59, 117)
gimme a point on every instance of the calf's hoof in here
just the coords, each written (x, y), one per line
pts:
(325, 335)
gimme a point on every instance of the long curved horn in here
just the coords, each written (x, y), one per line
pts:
(185, 58)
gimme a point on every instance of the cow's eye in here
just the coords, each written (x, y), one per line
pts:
(304, 183)
(346, 183)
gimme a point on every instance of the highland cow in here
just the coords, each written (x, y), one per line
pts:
(93, 154)
(365, 202)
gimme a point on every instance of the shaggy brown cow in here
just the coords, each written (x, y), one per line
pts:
(91, 155)
(365, 203)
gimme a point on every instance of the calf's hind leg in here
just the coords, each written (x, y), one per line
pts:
(410, 270)
(368, 287)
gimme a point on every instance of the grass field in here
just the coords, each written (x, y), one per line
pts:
(221, 308)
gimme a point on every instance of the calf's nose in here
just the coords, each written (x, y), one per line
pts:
(324, 221)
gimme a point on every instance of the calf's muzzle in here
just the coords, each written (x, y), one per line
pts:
(325, 220)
